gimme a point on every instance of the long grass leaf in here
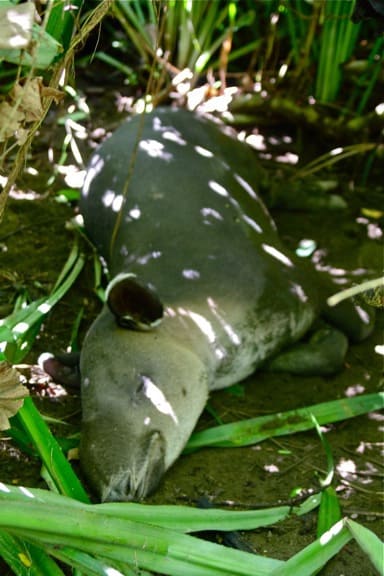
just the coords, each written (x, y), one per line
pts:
(88, 529)
(255, 430)
(26, 559)
(329, 511)
(369, 542)
(179, 518)
(313, 557)
(30, 420)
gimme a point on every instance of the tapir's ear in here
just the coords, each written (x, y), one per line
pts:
(134, 305)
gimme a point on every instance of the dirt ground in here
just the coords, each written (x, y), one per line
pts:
(34, 244)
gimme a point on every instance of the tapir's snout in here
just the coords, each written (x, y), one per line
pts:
(124, 471)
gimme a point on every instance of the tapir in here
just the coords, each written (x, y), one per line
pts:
(202, 293)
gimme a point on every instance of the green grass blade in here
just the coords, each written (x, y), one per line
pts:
(66, 481)
(369, 542)
(313, 557)
(178, 518)
(88, 529)
(19, 329)
(26, 559)
(329, 511)
(256, 430)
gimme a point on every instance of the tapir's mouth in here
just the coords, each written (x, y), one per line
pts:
(141, 477)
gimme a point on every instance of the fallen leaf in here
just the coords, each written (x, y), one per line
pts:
(27, 98)
(12, 393)
(10, 120)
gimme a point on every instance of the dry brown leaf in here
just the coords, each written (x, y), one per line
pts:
(10, 120)
(12, 393)
(27, 98)
(48, 92)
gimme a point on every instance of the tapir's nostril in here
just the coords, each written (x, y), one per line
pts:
(141, 473)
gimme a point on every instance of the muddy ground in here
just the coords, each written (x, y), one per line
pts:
(34, 244)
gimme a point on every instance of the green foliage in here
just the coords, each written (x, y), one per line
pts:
(301, 46)
(131, 537)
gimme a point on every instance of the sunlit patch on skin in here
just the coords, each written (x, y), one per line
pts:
(210, 214)
(156, 396)
(298, 290)
(275, 253)
(155, 149)
(108, 198)
(363, 314)
(247, 187)
(117, 203)
(143, 260)
(204, 325)
(135, 213)
(204, 152)
(252, 223)
(218, 188)
(96, 166)
(233, 336)
(191, 274)
(174, 136)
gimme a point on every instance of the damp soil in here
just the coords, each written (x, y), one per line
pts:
(35, 240)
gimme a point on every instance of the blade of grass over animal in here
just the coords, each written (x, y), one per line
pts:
(26, 559)
(256, 430)
(313, 557)
(50, 452)
(138, 544)
(178, 518)
(369, 542)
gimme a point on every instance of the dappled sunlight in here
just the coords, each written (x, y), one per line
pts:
(157, 398)
(275, 253)
(379, 349)
(218, 188)
(246, 186)
(203, 152)
(271, 468)
(354, 390)
(331, 533)
(155, 149)
(210, 215)
(233, 336)
(251, 222)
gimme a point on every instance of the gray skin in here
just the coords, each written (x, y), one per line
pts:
(172, 200)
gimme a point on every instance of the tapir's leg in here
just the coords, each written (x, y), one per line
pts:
(355, 320)
(63, 368)
(322, 355)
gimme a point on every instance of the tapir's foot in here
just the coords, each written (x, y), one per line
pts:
(356, 320)
(323, 354)
(63, 368)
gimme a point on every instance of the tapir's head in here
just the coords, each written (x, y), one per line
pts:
(142, 394)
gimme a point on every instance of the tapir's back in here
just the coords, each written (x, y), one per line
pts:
(172, 199)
